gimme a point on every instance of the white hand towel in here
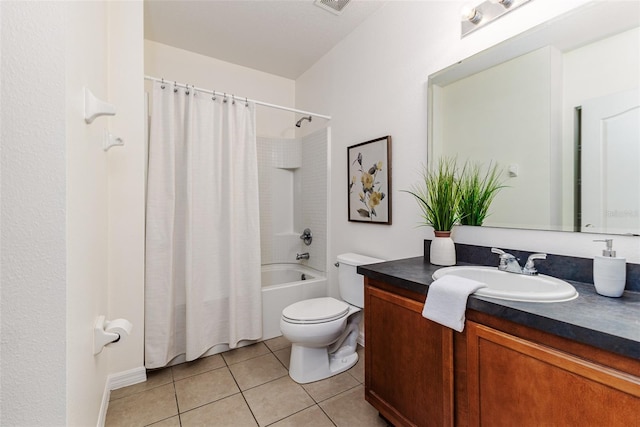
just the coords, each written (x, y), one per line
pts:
(447, 300)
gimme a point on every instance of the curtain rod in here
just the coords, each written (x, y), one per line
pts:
(265, 104)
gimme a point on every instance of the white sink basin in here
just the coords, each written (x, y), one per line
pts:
(513, 287)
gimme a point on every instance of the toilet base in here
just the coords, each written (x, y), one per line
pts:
(314, 364)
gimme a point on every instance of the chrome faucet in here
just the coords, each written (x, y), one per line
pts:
(302, 256)
(510, 264)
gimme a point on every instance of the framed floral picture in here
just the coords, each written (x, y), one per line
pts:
(369, 188)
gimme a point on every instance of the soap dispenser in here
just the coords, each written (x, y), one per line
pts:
(609, 271)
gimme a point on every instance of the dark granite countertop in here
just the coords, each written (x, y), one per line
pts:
(611, 324)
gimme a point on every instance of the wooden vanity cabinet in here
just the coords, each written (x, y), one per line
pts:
(495, 373)
(408, 359)
(513, 381)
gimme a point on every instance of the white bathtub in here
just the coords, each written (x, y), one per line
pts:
(282, 285)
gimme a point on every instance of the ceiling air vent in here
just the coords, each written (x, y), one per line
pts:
(333, 6)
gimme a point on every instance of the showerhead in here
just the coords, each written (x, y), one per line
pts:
(299, 122)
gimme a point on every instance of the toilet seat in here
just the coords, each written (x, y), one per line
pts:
(315, 310)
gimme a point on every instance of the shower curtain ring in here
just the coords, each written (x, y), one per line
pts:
(162, 84)
(246, 102)
(214, 95)
(225, 98)
(186, 91)
(175, 86)
(233, 102)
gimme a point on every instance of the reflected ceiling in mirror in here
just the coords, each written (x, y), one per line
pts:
(557, 107)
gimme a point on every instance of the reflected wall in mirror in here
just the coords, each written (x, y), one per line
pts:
(558, 108)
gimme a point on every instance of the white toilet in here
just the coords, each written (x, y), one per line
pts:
(324, 331)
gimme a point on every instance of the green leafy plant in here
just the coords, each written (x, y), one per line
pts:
(477, 191)
(438, 195)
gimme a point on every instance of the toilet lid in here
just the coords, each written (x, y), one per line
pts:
(316, 310)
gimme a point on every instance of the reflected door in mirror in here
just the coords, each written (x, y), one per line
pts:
(610, 155)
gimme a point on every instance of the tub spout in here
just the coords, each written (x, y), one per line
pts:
(302, 256)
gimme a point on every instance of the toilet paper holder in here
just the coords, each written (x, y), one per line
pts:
(107, 332)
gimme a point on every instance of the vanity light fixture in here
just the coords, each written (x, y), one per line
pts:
(476, 17)
(333, 6)
(505, 3)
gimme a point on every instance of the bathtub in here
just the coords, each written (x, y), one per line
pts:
(282, 285)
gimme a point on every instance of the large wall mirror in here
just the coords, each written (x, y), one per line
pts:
(558, 108)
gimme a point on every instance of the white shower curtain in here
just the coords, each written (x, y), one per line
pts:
(203, 226)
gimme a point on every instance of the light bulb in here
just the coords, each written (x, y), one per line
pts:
(470, 14)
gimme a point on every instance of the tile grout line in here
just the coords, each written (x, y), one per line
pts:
(297, 412)
(242, 393)
(249, 407)
(213, 401)
(327, 415)
(175, 396)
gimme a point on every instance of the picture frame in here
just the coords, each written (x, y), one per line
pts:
(369, 181)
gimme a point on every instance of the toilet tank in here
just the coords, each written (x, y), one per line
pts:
(351, 283)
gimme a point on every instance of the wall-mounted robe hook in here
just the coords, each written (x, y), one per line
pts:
(111, 140)
(94, 107)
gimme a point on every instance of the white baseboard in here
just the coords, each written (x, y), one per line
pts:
(127, 378)
(116, 381)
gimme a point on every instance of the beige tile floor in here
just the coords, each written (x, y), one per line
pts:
(249, 386)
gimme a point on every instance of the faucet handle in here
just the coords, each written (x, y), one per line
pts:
(498, 251)
(503, 255)
(529, 267)
(505, 259)
(306, 236)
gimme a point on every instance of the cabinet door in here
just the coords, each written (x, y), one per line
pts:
(517, 382)
(408, 362)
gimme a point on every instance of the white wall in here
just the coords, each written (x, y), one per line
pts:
(171, 63)
(57, 215)
(105, 224)
(313, 198)
(87, 209)
(374, 83)
(127, 182)
(34, 211)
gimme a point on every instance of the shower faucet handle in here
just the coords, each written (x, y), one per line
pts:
(306, 236)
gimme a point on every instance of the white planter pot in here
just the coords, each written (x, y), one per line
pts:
(442, 251)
